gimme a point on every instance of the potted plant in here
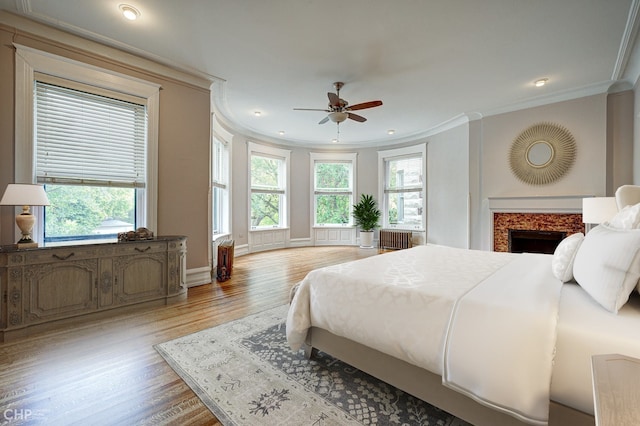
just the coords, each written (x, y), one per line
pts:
(366, 215)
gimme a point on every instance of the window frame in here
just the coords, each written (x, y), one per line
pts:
(28, 62)
(284, 184)
(383, 192)
(315, 158)
(220, 179)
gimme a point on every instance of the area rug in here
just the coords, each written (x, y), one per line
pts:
(246, 374)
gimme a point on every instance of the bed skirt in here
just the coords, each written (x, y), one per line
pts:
(426, 385)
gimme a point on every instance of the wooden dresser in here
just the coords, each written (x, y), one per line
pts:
(46, 287)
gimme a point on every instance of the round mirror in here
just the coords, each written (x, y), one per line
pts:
(539, 154)
(542, 153)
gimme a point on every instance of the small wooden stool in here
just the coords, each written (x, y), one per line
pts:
(225, 260)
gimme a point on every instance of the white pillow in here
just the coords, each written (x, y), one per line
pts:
(607, 265)
(564, 255)
(627, 218)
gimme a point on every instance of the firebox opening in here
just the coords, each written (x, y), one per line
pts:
(532, 241)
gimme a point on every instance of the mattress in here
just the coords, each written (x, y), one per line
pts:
(584, 329)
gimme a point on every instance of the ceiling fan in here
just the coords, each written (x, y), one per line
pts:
(339, 109)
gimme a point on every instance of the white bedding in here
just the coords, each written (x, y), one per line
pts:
(400, 303)
(584, 329)
(501, 339)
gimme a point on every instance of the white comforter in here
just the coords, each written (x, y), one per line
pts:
(401, 304)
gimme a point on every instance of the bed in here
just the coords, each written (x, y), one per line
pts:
(493, 338)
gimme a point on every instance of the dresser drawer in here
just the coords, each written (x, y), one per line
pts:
(140, 247)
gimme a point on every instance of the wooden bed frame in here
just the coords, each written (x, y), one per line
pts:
(426, 385)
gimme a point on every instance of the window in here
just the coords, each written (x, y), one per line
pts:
(90, 154)
(403, 187)
(220, 186)
(269, 187)
(333, 187)
(91, 139)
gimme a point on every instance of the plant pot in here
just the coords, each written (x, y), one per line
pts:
(366, 239)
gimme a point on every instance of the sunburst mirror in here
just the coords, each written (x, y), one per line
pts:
(542, 154)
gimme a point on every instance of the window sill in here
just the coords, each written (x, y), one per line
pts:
(223, 236)
(275, 228)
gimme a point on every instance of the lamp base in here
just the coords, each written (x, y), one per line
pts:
(26, 243)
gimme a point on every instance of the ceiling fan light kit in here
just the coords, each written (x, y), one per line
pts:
(338, 117)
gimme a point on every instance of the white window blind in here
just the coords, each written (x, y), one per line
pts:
(85, 138)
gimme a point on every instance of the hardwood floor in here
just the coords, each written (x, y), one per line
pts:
(107, 372)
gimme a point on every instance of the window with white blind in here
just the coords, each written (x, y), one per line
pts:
(84, 138)
(90, 154)
(90, 136)
(403, 187)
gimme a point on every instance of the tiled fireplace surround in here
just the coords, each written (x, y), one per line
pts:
(534, 213)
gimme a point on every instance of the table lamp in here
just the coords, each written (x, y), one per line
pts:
(25, 195)
(597, 210)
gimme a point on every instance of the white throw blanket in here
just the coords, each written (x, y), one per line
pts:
(401, 304)
(501, 339)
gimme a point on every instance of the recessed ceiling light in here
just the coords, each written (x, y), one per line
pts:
(541, 82)
(129, 12)
(281, 132)
(334, 140)
(390, 131)
(257, 113)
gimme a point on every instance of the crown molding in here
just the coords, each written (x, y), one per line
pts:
(77, 39)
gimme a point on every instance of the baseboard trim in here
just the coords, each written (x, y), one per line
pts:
(198, 276)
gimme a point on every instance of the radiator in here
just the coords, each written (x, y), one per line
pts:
(394, 239)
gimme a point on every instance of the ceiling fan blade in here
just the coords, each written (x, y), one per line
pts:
(310, 109)
(357, 117)
(364, 105)
(334, 100)
(324, 120)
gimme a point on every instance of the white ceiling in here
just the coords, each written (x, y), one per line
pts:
(432, 63)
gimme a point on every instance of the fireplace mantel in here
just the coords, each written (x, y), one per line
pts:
(537, 204)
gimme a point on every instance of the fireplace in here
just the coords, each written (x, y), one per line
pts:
(532, 241)
(505, 223)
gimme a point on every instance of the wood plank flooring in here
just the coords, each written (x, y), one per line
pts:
(107, 372)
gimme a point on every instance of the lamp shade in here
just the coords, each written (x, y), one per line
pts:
(598, 209)
(19, 194)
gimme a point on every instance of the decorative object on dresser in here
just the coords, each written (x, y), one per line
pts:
(542, 153)
(44, 287)
(25, 195)
(395, 239)
(225, 260)
(137, 235)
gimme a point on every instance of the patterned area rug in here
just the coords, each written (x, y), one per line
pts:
(246, 374)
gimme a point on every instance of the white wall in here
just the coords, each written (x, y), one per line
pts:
(448, 187)
(469, 163)
(584, 118)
